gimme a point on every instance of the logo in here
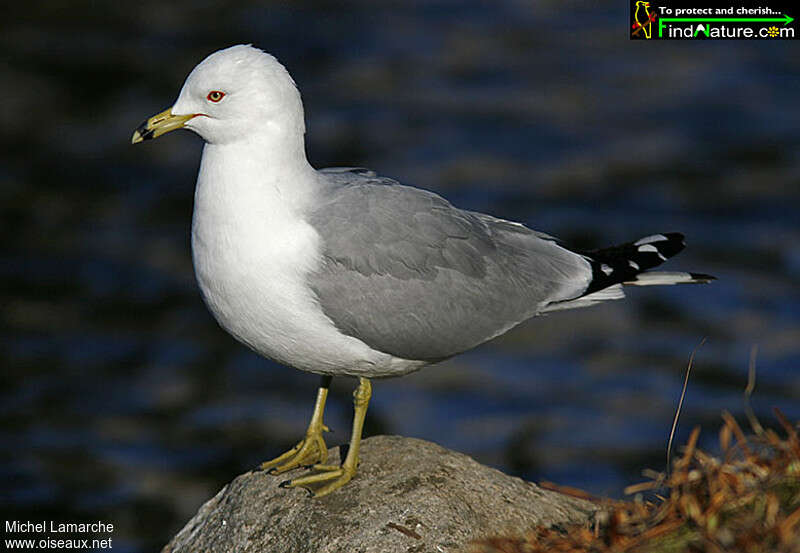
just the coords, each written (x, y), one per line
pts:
(643, 19)
(684, 20)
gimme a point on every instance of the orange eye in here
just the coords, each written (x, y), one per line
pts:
(215, 96)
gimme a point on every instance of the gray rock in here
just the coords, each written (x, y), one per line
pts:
(408, 496)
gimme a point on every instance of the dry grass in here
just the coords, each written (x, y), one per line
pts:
(747, 500)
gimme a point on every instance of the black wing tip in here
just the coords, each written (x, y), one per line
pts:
(672, 244)
(702, 277)
(624, 262)
(674, 236)
(678, 238)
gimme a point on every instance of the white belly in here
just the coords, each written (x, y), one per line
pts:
(251, 262)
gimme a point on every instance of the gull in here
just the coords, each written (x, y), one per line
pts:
(341, 272)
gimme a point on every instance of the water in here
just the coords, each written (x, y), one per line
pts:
(123, 401)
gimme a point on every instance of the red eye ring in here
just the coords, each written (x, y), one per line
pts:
(215, 96)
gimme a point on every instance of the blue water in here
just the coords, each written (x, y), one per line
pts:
(121, 399)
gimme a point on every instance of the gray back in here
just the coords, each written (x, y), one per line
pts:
(411, 275)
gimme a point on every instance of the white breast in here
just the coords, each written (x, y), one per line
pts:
(252, 251)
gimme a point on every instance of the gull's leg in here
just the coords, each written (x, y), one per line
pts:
(341, 475)
(311, 449)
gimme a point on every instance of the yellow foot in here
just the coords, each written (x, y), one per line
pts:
(312, 450)
(340, 475)
(309, 451)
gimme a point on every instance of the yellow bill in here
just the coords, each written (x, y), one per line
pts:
(159, 124)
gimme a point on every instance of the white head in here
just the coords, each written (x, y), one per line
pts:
(239, 93)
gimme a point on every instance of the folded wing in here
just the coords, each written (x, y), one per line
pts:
(410, 275)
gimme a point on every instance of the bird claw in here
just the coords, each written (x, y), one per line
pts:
(310, 451)
(337, 475)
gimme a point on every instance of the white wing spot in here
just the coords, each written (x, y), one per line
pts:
(651, 238)
(661, 257)
(633, 264)
(648, 248)
(606, 269)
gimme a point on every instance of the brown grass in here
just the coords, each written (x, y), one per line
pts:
(747, 500)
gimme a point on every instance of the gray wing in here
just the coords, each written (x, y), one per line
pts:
(410, 275)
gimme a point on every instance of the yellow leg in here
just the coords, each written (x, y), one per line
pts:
(341, 475)
(311, 450)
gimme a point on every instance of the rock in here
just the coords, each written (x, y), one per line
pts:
(409, 496)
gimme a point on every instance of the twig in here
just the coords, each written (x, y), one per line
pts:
(748, 391)
(741, 440)
(680, 403)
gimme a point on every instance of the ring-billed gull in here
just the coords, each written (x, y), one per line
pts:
(342, 272)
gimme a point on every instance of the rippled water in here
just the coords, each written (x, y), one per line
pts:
(123, 401)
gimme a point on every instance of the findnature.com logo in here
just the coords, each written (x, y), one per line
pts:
(669, 20)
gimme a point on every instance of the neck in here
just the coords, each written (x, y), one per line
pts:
(268, 172)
